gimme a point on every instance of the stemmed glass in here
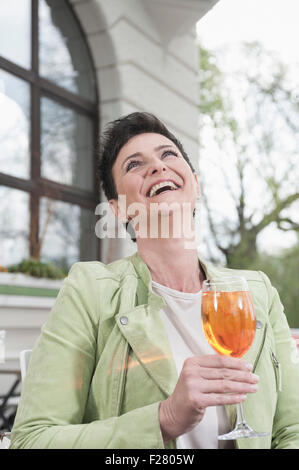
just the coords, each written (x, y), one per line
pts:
(229, 324)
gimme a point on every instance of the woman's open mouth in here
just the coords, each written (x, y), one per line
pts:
(162, 187)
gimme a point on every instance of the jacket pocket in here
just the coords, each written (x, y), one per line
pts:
(277, 371)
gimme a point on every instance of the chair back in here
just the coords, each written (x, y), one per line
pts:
(5, 440)
(24, 361)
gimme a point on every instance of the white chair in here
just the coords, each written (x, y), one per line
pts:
(5, 440)
(24, 361)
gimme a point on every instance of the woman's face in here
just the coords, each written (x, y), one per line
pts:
(149, 159)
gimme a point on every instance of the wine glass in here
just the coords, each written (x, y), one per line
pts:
(229, 324)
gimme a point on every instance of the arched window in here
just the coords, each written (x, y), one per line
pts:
(48, 129)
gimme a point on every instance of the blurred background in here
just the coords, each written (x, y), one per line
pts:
(222, 75)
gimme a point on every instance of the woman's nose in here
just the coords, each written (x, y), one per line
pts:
(156, 166)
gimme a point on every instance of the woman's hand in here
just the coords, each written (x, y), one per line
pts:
(211, 380)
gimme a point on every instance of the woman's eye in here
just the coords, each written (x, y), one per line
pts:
(169, 152)
(132, 164)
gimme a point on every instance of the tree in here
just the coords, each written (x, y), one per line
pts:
(282, 269)
(249, 124)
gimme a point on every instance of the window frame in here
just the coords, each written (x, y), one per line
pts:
(38, 186)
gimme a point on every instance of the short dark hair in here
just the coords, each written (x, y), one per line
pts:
(117, 134)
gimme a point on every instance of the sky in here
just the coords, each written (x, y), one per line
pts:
(273, 23)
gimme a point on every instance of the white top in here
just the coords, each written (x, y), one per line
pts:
(182, 320)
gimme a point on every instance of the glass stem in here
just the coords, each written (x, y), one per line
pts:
(241, 421)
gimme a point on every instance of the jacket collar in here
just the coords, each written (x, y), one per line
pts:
(144, 273)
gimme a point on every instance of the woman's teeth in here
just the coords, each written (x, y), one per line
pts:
(169, 184)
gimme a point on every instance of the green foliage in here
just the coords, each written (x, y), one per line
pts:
(283, 272)
(212, 101)
(36, 268)
(282, 269)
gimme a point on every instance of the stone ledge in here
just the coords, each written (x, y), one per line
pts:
(24, 280)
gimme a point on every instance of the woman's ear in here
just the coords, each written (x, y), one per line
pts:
(113, 206)
(118, 208)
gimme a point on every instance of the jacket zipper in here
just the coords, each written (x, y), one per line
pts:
(261, 348)
(277, 371)
(123, 379)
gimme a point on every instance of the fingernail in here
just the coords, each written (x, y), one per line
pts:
(255, 377)
(253, 388)
(249, 366)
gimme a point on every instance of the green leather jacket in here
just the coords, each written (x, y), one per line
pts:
(102, 365)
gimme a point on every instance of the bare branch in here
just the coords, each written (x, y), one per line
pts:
(291, 224)
(273, 216)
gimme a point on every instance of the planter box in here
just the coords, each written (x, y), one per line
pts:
(25, 303)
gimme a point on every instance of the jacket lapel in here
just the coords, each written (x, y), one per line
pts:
(143, 328)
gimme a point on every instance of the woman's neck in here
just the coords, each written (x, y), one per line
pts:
(172, 263)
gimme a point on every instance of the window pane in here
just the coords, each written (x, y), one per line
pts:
(14, 125)
(67, 233)
(14, 226)
(15, 31)
(64, 57)
(66, 145)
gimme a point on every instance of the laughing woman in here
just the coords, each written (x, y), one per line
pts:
(122, 361)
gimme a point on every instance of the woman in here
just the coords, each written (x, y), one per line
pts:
(122, 361)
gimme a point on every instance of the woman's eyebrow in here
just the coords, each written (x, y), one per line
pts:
(160, 147)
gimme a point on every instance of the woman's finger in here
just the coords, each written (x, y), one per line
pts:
(213, 373)
(220, 399)
(215, 360)
(226, 386)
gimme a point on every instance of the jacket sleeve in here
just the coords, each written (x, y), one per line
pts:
(285, 433)
(55, 391)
